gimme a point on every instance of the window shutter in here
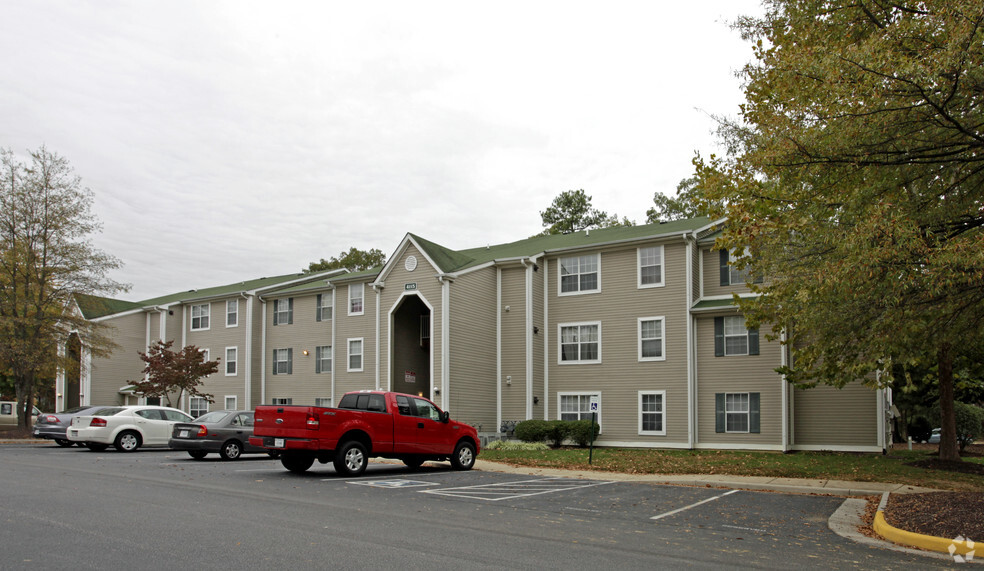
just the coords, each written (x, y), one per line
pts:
(317, 314)
(290, 361)
(290, 311)
(317, 354)
(754, 418)
(719, 416)
(719, 337)
(274, 357)
(725, 269)
(753, 341)
(274, 312)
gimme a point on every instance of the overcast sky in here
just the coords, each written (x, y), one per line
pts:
(226, 141)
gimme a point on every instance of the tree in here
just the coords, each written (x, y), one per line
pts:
(168, 373)
(571, 211)
(45, 258)
(354, 260)
(686, 203)
(854, 182)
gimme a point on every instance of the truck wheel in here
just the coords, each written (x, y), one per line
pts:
(351, 458)
(297, 463)
(231, 450)
(413, 463)
(464, 456)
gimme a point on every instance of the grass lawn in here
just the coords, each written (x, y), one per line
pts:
(857, 467)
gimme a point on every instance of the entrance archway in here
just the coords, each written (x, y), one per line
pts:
(410, 339)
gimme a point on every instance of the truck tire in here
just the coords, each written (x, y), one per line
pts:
(463, 457)
(297, 463)
(413, 462)
(351, 458)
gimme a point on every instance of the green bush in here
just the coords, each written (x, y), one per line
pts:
(531, 430)
(970, 423)
(508, 445)
(556, 432)
(580, 432)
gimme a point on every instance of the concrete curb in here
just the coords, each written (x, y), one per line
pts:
(954, 547)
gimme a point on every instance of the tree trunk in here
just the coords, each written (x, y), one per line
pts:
(948, 418)
(24, 391)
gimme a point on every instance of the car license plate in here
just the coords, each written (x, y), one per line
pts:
(37, 432)
(183, 434)
(75, 433)
(278, 442)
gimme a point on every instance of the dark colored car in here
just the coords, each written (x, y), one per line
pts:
(53, 426)
(224, 431)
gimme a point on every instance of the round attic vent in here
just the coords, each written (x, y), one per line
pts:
(411, 263)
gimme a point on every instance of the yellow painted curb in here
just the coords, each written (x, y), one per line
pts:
(929, 542)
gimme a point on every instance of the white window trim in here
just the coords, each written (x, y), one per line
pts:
(228, 313)
(226, 367)
(288, 360)
(192, 397)
(209, 316)
(662, 395)
(348, 354)
(235, 402)
(283, 316)
(560, 344)
(662, 267)
(662, 339)
(287, 401)
(736, 276)
(747, 413)
(579, 394)
(560, 276)
(726, 336)
(362, 290)
(325, 402)
(319, 357)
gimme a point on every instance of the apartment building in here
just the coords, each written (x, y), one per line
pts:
(638, 320)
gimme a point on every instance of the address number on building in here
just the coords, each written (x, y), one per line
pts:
(409, 287)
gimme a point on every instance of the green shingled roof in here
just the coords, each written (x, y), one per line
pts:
(223, 290)
(94, 306)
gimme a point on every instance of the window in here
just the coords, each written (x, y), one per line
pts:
(729, 274)
(323, 307)
(372, 402)
(232, 313)
(577, 406)
(426, 410)
(731, 337)
(580, 274)
(355, 355)
(205, 359)
(283, 311)
(356, 294)
(281, 401)
(197, 406)
(322, 359)
(199, 317)
(651, 339)
(580, 343)
(283, 361)
(737, 412)
(651, 266)
(231, 357)
(652, 419)
(324, 402)
(231, 402)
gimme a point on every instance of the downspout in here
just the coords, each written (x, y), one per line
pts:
(378, 289)
(691, 346)
(248, 353)
(445, 337)
(331, 288)
(498, 348)
(784, 391)
(263, 338)
(546, 340)
(528, 265)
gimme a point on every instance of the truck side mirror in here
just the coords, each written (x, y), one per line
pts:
(445, 417)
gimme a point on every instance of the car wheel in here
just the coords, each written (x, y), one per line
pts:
(63, 442)
(96, 446)
(127, 441)
(351, 458)
(464, 456)
(297, 463)
(413, 464)
(231, 450)
(197, 454)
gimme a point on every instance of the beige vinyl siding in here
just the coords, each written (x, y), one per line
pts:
(111, 373)
(303, 385)
(620, 375)
(473, 358)
(541, 409)
(351, 327)
(712, 276)
(256, 357)
(738, 374)
(695, 267)
(513, 339)
(827, 416)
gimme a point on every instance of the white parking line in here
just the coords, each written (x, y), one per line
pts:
(511, 490)
(685, 508)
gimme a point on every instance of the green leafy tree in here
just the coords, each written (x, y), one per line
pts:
(571, 211)
(685, 204)
(46, 221)
(354, 260)
(168, 373)
(854, 180)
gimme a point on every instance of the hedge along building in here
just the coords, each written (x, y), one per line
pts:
(641, 319)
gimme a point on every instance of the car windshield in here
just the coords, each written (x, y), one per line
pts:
(107, 411)
(214, 416)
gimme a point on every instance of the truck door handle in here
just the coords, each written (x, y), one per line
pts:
(420, 425)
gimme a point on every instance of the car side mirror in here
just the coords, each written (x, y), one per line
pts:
(445, 417)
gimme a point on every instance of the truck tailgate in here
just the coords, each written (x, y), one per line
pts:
(286, 421)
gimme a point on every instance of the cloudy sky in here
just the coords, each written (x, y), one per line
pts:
(232, 140)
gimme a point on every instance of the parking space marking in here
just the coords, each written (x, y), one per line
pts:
(685, 508)
(391, 483)
(512, 490)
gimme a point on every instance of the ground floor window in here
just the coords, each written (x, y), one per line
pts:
(737, 412)
(197, 406)
(231, 402)
(322, 359)
(322, 402)
(281, 401)
(577, 406)
(652, 419)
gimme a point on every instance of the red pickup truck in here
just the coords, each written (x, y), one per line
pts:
(366, 424)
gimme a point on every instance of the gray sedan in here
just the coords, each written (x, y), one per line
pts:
(224, 431)
(54, 426)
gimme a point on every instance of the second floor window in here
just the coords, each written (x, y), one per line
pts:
(580, 274)
(731, 337)
(580, 343)
(323, 307)
(322, 359)
(232, 354)
(199, 317)
(651, 339)
(283, 311)
(355, 355)
(283, 361)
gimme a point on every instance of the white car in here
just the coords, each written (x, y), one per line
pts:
(126, 427)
